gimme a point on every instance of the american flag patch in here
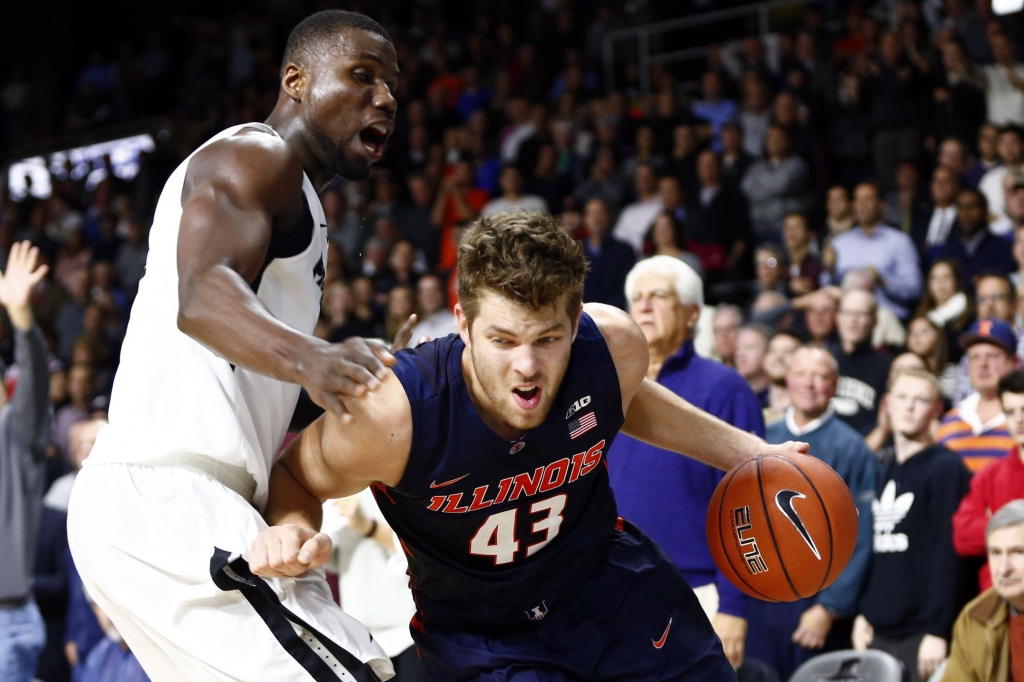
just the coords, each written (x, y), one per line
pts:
(577, 427)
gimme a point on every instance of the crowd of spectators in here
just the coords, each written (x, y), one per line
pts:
(853, 181)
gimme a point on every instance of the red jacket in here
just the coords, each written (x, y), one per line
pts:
(993, 486)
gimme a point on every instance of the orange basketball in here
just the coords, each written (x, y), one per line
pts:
(782, 528)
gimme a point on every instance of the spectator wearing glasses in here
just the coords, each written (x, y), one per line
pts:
(664, 494)
(976, 427)
(770, 266)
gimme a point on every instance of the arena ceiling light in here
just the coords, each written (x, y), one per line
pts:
(1007, 6)
(32, 175)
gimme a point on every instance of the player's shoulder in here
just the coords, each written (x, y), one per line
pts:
(251, 159)
(427, 370)
(625, 340)
(619, 330)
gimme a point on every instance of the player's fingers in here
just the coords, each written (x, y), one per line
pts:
(404, 335)
(291, 543)
(340, 383)
(258, 556)
(332, 404)
(316, 551)
(371, 355)
(273, 546)
(383, 353)
(38, 275)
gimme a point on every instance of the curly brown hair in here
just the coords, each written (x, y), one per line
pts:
(529, 258)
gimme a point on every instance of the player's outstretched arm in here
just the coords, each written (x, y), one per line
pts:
(332, 458)
(237, 191)
(658, 416)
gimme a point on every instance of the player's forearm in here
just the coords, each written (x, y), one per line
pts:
(661, 418)
(219, 310)
(289, 502)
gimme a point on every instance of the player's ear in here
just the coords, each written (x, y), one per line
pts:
(462, 323)
(294, 81)
(576, 323)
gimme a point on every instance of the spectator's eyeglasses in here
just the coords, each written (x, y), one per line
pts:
(767, 263)
(862, 314)
(993, 298)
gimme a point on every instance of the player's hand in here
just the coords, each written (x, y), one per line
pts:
(404, 334)
(930, 655)
(863, 633)
(288, 551)
(349, 369)
(71, 652)
(790, 447)
(17, 282)
(814, 626)
(732, 630)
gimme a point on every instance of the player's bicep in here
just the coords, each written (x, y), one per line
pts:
(233, 192)
(216, 231)
(334, 459)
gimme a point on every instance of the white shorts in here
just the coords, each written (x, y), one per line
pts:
(148, 543)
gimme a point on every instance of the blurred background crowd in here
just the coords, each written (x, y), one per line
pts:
(848, 174)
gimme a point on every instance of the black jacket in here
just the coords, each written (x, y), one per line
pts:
(606, 277)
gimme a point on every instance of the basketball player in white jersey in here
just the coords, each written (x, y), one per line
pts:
(217, 347)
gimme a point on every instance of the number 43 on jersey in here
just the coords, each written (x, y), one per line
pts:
(496, 538)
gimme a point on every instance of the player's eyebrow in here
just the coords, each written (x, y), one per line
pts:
(379, 60)
(556, 327)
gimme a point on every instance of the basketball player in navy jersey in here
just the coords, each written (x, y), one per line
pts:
(484, 450)
(218, 344)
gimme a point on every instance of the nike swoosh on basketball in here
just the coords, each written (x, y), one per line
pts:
(435, 484)
(784, 501)
(658, 643)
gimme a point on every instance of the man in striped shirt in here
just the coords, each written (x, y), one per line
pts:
(976, 427)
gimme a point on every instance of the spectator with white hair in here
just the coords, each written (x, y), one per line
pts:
(983, 645)
(664, 494)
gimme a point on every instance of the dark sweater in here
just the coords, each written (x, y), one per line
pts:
(606, 277)
(862, 377)
(911, 586)
(24, 430)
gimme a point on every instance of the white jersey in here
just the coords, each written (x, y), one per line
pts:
(173, 396)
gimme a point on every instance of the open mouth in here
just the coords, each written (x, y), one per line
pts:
(527, 398)
(373, 138)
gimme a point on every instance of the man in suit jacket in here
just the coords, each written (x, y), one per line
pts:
(972, 244)
(718, 223)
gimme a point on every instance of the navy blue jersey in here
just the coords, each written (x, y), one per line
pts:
(495, 531)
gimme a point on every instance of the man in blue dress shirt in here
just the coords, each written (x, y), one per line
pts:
(667, 496)
(889, 253)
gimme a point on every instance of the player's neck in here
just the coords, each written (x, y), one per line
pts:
(292, 131)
